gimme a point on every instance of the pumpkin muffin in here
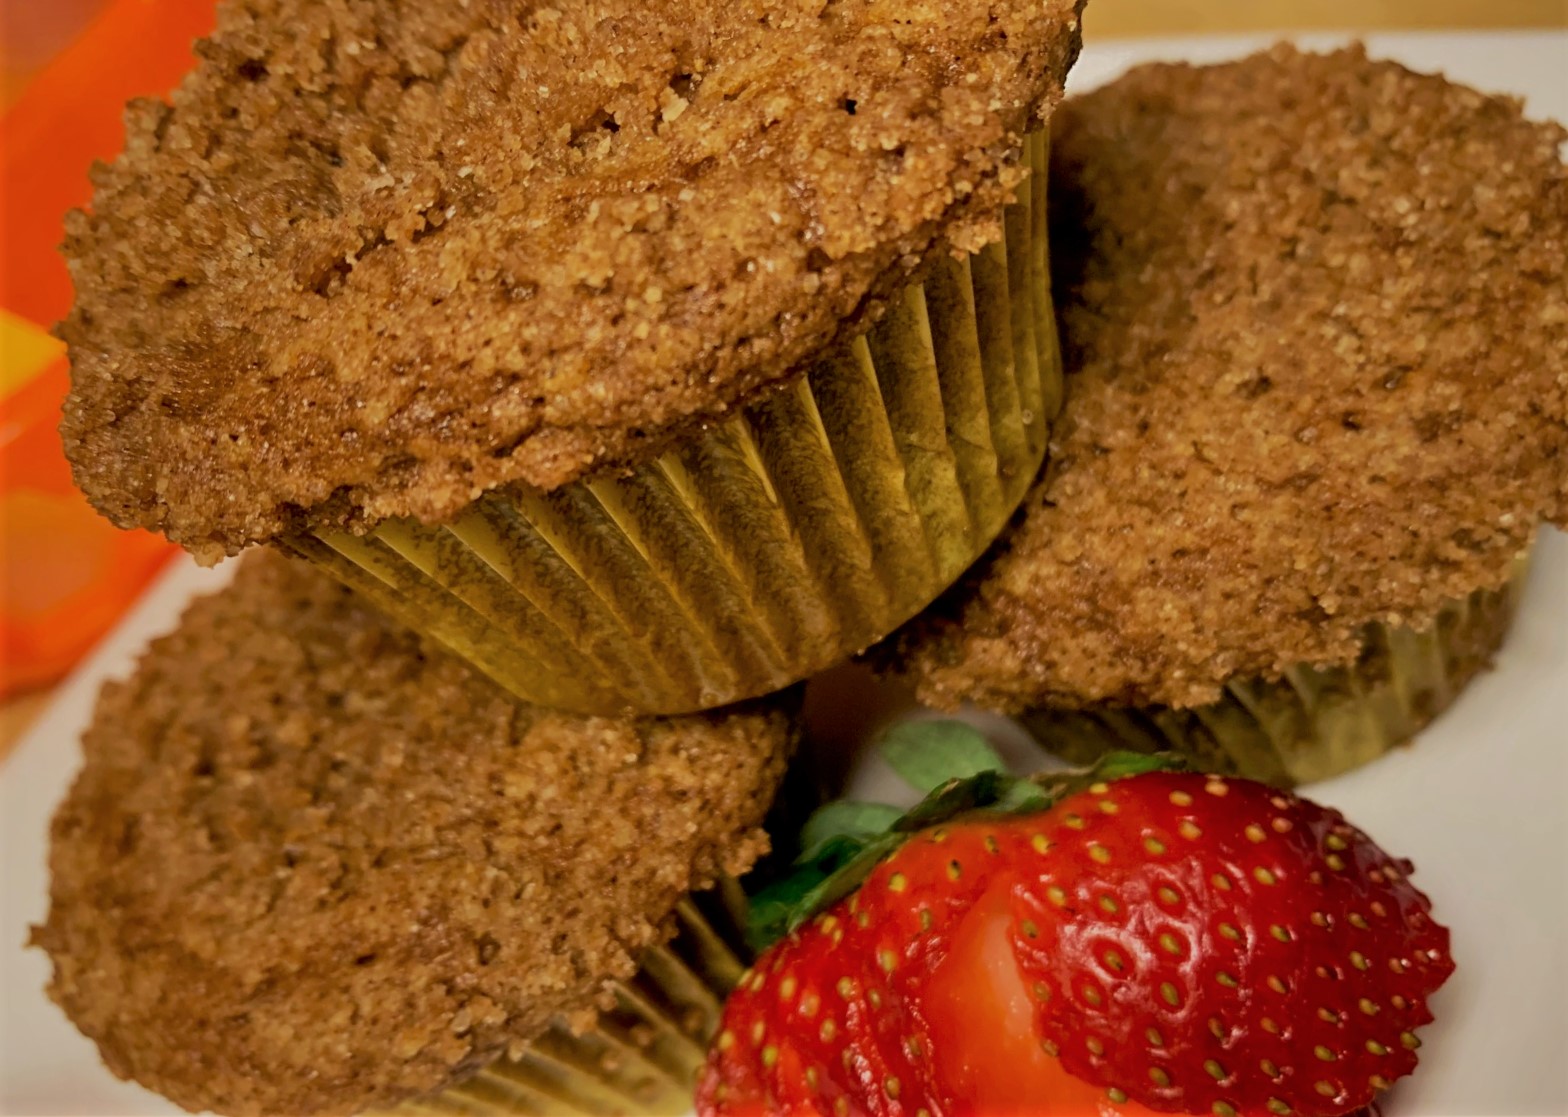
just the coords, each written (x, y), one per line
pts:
(551, 329)
(313, 865)
(1315, 324)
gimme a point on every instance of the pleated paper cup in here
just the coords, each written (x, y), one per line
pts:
(767, 547)
(1311, 723)
(639, 1059)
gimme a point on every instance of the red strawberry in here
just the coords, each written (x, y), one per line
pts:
(880, 1005)
(978, 952)
(827, 1013)
(1205, 945)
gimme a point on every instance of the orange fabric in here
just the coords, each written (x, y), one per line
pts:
(68, 574)
(70, 116)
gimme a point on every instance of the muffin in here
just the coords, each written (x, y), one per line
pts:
(649, 356)
(313, 865)
(1315, 324)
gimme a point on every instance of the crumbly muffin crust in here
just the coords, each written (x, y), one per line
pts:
(376, 259)
(1317, 340)
(313, 866)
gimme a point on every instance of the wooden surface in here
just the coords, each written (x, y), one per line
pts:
(1121, 18)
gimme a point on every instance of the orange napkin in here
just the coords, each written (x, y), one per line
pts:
(67, 573)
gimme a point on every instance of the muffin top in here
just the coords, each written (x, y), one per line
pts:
(376, 259)
(1315, 324)
(312, 865)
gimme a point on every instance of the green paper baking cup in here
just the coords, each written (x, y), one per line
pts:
(769, 546)
(642, 1055)
(1312, 723)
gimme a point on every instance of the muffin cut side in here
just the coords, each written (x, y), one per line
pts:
(377, 260)
(1314, 323)
(311, 866)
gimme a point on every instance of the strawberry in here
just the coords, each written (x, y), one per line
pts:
(1124, 942)
(829, 1007)
(1207, 945)
(810, 1029)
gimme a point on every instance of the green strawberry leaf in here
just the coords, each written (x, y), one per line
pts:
(955, 797)
(834, 887)
(846, 818)
(1112, 766)
(771, 912)
(845, 840)
(1121, 765)
(1023, 797)
(927, 754)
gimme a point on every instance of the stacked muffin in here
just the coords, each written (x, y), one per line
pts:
(588, 377)
(1315, 317)
(644, 360)
(315, 865)
(550, 331)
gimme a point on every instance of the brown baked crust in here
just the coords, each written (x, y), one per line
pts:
(1316, 326)
(311, 866)
(379, 258)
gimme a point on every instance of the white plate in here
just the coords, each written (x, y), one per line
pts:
(1480, 804)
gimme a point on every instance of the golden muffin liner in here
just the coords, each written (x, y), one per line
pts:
(1312, 723)
(768, 546)
(640, 1058)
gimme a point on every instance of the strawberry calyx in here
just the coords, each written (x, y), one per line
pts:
(960, 774)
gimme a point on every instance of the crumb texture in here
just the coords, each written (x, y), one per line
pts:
(378, 258)
(1317, 341)
(312, 866)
